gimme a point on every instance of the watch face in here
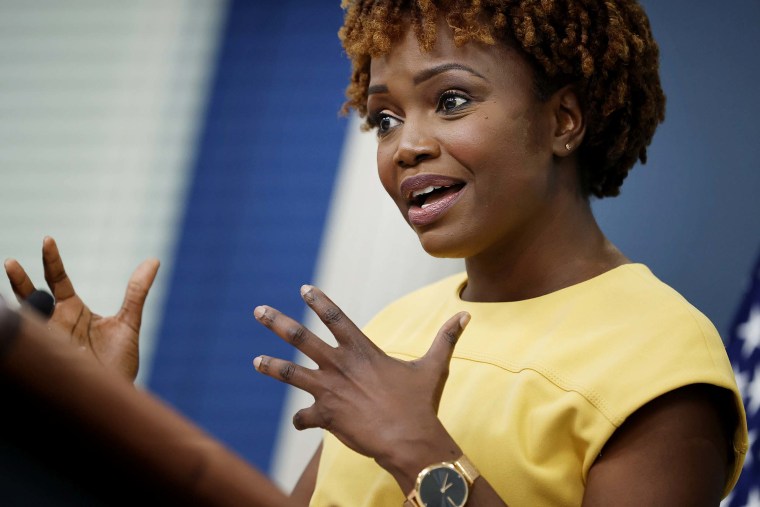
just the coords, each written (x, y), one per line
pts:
(443, 487)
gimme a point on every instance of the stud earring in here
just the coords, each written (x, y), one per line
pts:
(568, 146)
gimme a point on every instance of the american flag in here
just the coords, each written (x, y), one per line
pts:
(744, 351)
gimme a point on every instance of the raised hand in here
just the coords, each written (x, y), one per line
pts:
(377, 405)
(114, 340)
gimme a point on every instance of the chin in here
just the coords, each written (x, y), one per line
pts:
(442, 246)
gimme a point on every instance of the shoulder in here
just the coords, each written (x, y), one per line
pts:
(633, 293)
(639, 338)
(662, 374)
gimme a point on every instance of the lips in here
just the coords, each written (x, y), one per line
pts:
(430, 196)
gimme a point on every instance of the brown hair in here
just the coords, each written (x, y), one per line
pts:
(604, 48)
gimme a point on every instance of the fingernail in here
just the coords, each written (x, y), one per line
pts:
(305, 289)
(464, 320)
(256, 362)
(259, 312)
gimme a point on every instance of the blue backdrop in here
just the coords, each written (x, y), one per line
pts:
(253, 222)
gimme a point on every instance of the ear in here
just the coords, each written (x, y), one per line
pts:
(570, 124)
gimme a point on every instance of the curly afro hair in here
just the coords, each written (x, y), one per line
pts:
(604, 48)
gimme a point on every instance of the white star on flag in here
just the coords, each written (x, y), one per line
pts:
(750, 331)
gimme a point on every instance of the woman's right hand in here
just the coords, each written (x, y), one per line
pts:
(114, 340)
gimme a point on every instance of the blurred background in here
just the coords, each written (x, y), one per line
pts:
(206, 133)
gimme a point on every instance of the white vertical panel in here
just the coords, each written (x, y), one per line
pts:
(100, 103)
(369, 257)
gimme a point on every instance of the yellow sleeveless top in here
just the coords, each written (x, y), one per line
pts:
(537, 387)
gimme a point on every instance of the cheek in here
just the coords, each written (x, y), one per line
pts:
(494, 144)
(485, 147)
(386, 169)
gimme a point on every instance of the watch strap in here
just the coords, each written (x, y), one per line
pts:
(468, 470)
(412, 500)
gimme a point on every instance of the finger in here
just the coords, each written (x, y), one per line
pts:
(55, 274)
(344, 330)
(294, 333)
(442, 348)
(288, 372)
(20, 282)
(137, 290)
(309, 418)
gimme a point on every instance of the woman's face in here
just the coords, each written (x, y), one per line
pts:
(464, 145)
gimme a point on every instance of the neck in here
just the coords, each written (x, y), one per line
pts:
(567, 249)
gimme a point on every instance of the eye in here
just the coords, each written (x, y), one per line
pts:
(450, 101)
(384, 123)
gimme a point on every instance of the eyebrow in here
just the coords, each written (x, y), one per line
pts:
(426, 74)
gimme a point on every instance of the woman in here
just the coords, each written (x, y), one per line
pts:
(581, 378)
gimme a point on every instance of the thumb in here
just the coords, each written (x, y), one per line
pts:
(137, 290)
(440, 351)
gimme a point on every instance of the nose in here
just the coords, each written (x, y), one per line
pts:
(415, 145)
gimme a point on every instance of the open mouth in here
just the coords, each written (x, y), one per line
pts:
(430, 203)
(430, 195)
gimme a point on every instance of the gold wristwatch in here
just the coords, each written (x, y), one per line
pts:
(446, 483)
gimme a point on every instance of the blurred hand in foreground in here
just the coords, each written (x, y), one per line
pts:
(114, 340)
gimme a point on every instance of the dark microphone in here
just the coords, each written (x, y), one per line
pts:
(41, 301)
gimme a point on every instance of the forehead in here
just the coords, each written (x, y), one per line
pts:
(407, 57)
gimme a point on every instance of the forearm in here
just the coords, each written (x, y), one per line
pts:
(141, 442)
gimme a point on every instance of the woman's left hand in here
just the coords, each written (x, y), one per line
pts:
(377, 405)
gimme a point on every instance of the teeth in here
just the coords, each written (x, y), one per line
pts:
(427, 190)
